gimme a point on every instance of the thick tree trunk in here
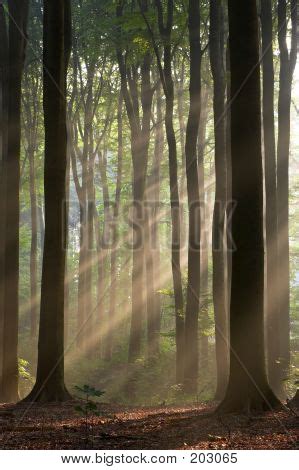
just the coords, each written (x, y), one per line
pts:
(272, 291)
(248, 388)
(193, 287)
(50, 368)
(219, 253)
(287, 66)
(18, 11)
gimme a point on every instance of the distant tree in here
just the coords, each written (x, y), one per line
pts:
(31, 117)
(114, 235)
(139, 107)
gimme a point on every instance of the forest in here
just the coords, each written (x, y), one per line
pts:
(149, 219)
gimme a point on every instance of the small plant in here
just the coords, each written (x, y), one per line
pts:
(89, 407)
(26, 379)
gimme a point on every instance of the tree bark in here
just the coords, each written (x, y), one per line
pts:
(168, 86)
(140, 136)
(248, 388)
(219, 253)
(113, 254)
(271, 294)
(193, 286)
(204, 268)
(18, 12)
(287, 66)
(3, 158)
(154, 211)
(50, 368)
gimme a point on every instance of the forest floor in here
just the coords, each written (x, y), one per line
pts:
(117, 427)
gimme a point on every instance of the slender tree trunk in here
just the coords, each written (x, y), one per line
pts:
(33, 247)
(50, 368)
(81, 317)
(204, 268)
(219, 254)
(272, 297)
(113, 254)
(18, 11)
(168, 86)
(248, 387)
(287, 66)
(193, 287)
(155, 207)
(67, 277)
(104, 246)
(84, 192)
(89, 341)
(152, 333)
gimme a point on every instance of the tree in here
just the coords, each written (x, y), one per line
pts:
(31, 114)
(248, 388)
(140, 136)
(193, 282)
(219, 255)
(18, 13)
(165, 72)
(204, 260)
(272, 290)
(114, 236)
(287, 66)
(3, 157)
(49, 384)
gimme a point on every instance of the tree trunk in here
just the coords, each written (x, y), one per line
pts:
(219, 253)
(168, 86)
(271, 294)
(287, 66)
(67, 276)
(50, 368)
(113, 256)
(204, 268)
(154, 198)
(248, 388)
(3, 158)
(18, 12)
(140, 137)
(33, 247)
(193, 287)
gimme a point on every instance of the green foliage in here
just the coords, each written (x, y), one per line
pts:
(89, 391)
(89, 407)
(26, 380)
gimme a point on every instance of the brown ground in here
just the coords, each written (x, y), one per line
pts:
(193, 427)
